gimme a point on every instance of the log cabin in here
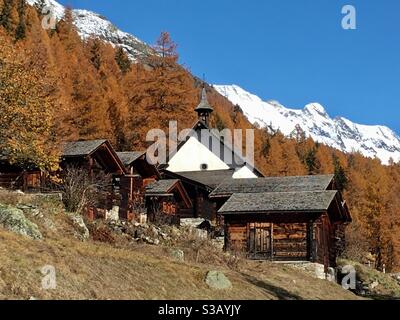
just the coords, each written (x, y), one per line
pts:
(167, 201)
(97, 157)
(228, 187)
(284, 219)
(92, 155)
(16, 177)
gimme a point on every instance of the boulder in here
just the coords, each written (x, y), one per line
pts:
(33, 211)
(396, 277)
(178, 255)
(29, 210)
(217, 280)
(373, 285)
(81, 230)
(14, 220)
(313, 269)
(113, 214)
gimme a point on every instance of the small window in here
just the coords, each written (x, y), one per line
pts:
(204, 166)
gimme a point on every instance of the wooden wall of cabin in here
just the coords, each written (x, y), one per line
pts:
(271, 241)
(302, 240)
(163, 210)
(291, 242)
(14, 178)
(324, 242)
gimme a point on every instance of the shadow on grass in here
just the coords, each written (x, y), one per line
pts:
(278, 292)
(382, 297)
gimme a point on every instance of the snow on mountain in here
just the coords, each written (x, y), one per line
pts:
(340, 133)
(92, 24)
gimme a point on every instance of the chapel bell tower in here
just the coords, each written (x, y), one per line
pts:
(204, 109)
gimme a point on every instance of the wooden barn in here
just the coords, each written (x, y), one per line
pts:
(167, 201)
(15, 177)
(97, 157)
(284, 219)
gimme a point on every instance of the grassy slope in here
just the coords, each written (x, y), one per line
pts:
(99, 271)
(93, 270)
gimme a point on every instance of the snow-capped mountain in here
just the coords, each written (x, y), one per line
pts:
(340, 133)
(92, 24)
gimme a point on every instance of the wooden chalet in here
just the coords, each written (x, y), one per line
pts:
(92, 155)
(167, 201)
(15, 177)
(96, 157)
(140, 173)
(284, 219)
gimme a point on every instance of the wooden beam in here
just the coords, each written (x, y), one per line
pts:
(272, 241)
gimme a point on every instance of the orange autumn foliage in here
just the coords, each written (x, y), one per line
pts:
(91, 91)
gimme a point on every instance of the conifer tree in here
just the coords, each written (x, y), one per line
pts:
(219, 123)
(20, 32)
(340, 174)
(122, 60)
(311, 161)
(6, 15)
(163, 86)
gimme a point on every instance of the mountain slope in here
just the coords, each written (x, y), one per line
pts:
(92, 24)
(339, 133)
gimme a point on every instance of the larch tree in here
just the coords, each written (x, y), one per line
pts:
(94, 45)
(162, 87)
(26, 113)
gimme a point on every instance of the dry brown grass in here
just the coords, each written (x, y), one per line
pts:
(100, 271)
(126, 270)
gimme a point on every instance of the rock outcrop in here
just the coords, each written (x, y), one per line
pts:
(14, 220)
(217, 280)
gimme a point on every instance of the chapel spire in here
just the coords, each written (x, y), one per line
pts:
(204, 108)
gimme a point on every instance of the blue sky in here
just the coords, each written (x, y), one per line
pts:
(293, 51)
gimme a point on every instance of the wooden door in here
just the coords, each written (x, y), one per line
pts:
(260, 241)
